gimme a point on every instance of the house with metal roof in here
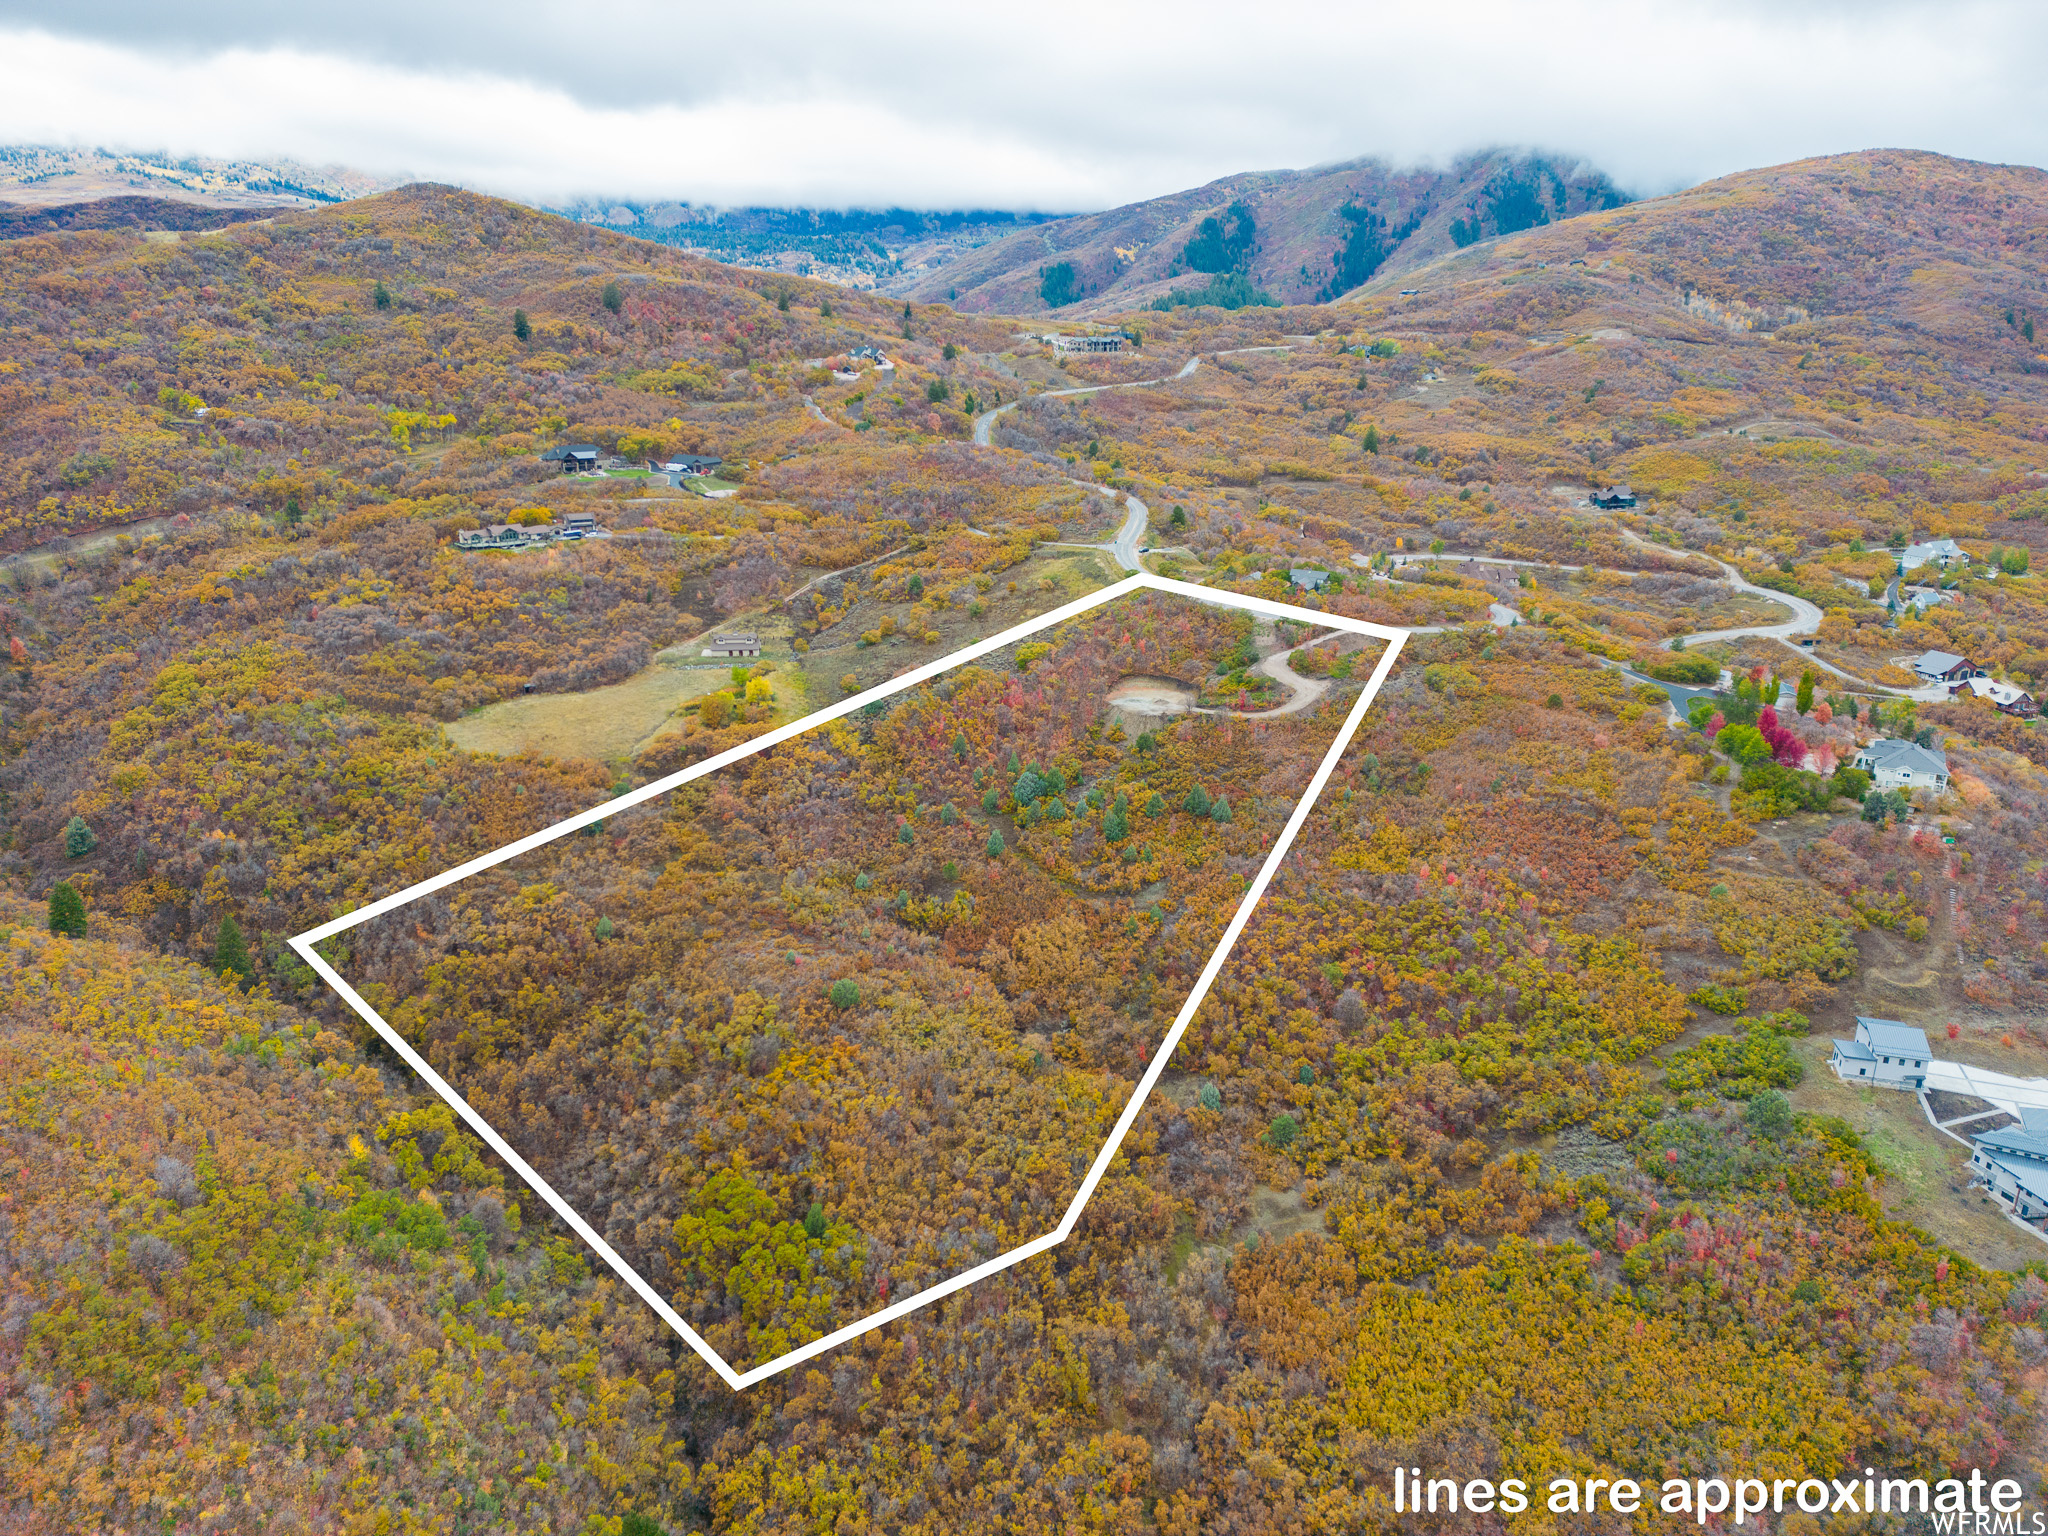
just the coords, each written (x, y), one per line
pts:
(2012, 1162)
(1884, 1054)
(1308, 580)
(1614, 496)
(1944, 667)
(1904, 765)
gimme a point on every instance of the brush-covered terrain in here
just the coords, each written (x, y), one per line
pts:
(1506, 1139)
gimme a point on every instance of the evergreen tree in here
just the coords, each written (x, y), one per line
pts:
(1372, 438)
(231, 950)
(814, 1221)
(905, 836)
(67, 910)
(522, 328)
(1803, 700)
(614, 297)
(959, 747)
(1156, 806)
(1220, 811)
(1179, 518)
(604, 929)
(293, 513)
(845, 992)
(78, 838)
(1197, 802)
(947, 815)
(1116, 826)
(1211, 1096)
(380, 295)
(995, 845)
(991, 801)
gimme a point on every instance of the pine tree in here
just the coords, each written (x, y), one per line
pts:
(381, 296)
(1220, 811)
(1156, 806)
(845, 992)
(1372, 439)
(1116, 826)
(1179, 518)
(814, 1222)
(905, 836)
(522, 328)
(995, 845)
(67, 911)
(78, 838)
(990, 801)
(959, 747)
(231, 950)
(614, 297)
(1197, 802)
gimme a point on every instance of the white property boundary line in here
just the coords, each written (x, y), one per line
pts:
(738, 1380)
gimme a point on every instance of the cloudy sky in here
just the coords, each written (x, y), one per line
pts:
(1056, 104)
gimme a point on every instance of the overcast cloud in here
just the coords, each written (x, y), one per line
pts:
(1060, 104)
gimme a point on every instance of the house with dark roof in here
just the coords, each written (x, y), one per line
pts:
(1904, 765)
(1308, 580)
(1614, 496)
(737, 643)
(1884, 1054)
(2012, 1162)
(1944, 667)
(686, 464)
(575, 458)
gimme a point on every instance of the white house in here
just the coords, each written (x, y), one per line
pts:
(1884, 1054)
(2007, 698)
(1904, 765)
(1941, 552)
(2013, 1164)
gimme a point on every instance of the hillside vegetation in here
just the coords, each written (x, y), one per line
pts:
(1504, 1140)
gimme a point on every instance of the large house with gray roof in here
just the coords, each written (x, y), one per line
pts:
(2013, 1164)
(1884, 1054)
(1904, 765)
(1945, 667)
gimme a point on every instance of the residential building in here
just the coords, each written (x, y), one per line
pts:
(1614, 496)
(1904, 765)
(575, 458)
(2006, 698)
(1944, 667)
(578, 524)
(2013, 1164)
(1308, 580)
(1884, 1054)
(1938, 552)
(736, 644)
(686, 464)
(1112, 342)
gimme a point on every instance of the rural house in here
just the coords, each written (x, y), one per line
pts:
(2006, 698)
(1942, 667)
(1308, 580)
(1884, 1054)
(1939, 552)
(578, 525)
(505, 536)
(686, 464)
(575, 458)
(737, 644)
(1614, 496)
(1113, 342)
(1904, 765)
(2013, 1164)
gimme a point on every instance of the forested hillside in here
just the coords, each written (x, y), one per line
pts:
(1506, 1140)
(1288, 237)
